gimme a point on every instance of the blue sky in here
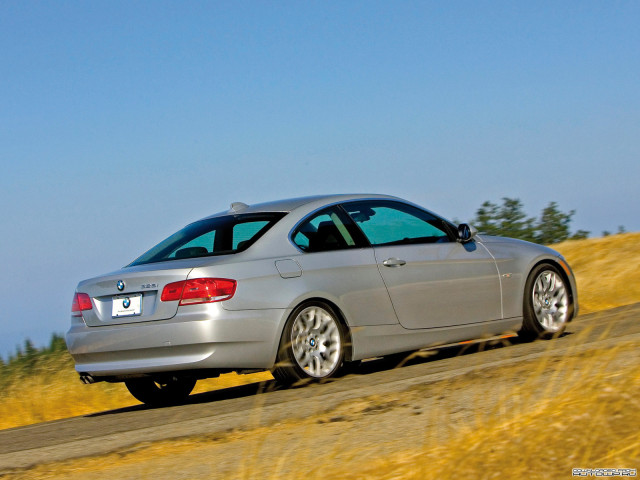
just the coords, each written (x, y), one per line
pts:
(122, 121)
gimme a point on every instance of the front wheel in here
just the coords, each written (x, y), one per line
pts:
(547, 304)
(312, 344)
(159, 392)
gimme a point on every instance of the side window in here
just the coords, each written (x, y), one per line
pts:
(326, 230)
(392, 223)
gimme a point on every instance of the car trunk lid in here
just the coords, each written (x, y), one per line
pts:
(132, 294)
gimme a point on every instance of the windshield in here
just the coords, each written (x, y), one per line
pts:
(212, 236)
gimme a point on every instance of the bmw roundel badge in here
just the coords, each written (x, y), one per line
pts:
(120, 285)
(126, 303)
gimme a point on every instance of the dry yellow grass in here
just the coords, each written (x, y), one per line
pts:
(57, 393)
(592, 422)
(607, 270)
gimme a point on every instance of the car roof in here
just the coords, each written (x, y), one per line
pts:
(290, 204)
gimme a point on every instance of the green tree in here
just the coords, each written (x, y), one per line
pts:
(30, 354)
(17, 357)
(554, 225)
(580, 235)
(487, 219)
(514, 222)
(29, 349)
(508, 220)
(57, 343)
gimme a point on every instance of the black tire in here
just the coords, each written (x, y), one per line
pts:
(313, 353)
(161, 391)
(547, 303)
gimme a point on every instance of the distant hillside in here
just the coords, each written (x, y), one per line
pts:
(607, 270)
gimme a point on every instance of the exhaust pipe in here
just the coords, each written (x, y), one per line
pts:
(87, 379)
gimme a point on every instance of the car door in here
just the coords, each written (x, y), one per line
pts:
(338, 260)
(432, 280)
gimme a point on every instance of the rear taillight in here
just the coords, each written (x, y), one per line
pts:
(199, 290)
(81, 302)
(172, 291)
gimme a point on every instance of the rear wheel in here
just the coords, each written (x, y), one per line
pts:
(165, 391)
(547, 304)
(312, 344)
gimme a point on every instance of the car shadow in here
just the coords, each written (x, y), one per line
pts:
(241, 391)
(360, 369)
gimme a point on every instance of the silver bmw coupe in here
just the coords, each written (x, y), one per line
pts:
(304, 287)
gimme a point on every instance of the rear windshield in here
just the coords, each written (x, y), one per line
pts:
(213, 236)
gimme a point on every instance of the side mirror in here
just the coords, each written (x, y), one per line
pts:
(466, 233)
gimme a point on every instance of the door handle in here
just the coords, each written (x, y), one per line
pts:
(393, 262)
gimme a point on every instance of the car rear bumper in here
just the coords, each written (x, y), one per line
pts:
(199, 337)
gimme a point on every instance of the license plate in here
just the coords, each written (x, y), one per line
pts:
(127, 305)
